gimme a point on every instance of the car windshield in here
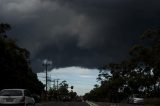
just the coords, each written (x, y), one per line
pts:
(11, 93)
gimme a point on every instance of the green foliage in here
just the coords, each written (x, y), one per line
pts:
(15, 70)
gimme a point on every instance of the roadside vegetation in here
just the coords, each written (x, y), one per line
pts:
(61, 93)
(139, 74)
(15, 66)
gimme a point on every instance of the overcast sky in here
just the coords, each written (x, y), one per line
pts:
(83, 33)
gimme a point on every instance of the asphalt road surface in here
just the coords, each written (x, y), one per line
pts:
(83, 104)
(63, 104)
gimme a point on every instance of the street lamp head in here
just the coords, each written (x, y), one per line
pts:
(47, 62)
(50, 62)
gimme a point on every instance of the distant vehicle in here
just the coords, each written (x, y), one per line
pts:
(136, 99)
(16, 97)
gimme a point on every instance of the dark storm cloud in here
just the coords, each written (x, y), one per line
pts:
(85, 33)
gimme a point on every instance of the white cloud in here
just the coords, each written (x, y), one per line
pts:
(73, 70)
(87, 76)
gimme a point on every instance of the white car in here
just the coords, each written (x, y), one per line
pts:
(16, 97)
(136, 99)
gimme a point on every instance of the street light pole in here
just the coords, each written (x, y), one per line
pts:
(46, 63)
(46, 76)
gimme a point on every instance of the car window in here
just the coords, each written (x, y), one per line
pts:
(11, 93)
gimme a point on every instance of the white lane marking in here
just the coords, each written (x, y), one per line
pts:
(91, 103)
(114, 105)
(39, 104)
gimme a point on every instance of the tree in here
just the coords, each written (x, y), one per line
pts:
(140, 73)
(3, 28)
(148, 54)
(63, 89)
(15, 70)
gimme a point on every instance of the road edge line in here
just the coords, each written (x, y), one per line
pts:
(91, 103)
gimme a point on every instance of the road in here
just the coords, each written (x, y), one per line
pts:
(63, 104)
(116, 104)
(83, 104)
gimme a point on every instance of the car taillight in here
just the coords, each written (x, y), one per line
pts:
(23, 99)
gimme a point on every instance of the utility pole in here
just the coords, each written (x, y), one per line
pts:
(54, 83)
(46, 76)
(57, 83)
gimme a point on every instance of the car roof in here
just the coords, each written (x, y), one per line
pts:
(14, 89)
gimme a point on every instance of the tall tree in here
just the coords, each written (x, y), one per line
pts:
(140, 73)
(15, 70)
